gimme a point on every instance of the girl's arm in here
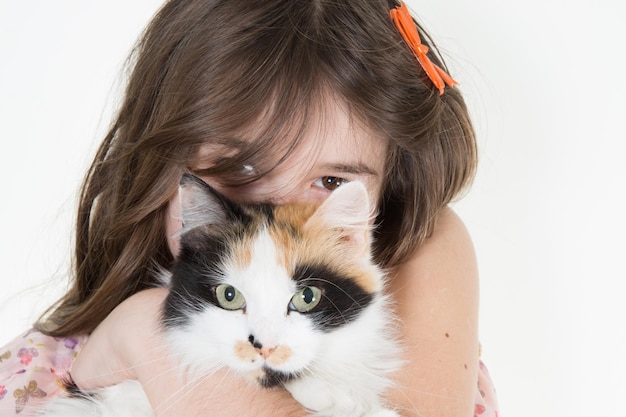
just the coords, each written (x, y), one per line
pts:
(436, 293)
(436, 296)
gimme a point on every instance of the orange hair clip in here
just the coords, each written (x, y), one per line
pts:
(405, 24)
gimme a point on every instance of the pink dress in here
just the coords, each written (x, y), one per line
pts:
(31, 369)
(486, 400)
(33, 365)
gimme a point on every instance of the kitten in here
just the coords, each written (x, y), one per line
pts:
(282, 295)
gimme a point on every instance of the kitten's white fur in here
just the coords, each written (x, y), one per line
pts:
(344, 370)
(126, 399)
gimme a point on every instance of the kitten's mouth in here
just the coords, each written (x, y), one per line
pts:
(269, 378)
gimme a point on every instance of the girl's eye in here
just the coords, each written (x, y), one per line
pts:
(331, 183)
(229, 297)
(306, 299)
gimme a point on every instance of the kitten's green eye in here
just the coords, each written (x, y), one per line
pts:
(306, 299)
(229, 297)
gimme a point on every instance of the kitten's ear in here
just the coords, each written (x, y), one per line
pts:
(347, 211)
(200, 204)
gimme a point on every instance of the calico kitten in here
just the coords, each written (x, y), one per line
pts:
(282, 295)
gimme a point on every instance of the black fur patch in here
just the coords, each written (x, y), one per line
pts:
(73, 390)
(266, 210)
(273, 378)
(342, 298)
(197, 271)
(194, 278)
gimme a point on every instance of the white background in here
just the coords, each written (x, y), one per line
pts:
(545, 84)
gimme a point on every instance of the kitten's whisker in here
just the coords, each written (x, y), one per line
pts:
(137, 365)
(186, 389)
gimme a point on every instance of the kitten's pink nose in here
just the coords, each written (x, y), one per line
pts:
(266, 352)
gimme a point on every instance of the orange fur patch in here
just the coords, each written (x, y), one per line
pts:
(242, 252)
(248, 353)
(280, 355)
(313, 242)
(245, 351)
(242, 249)
(316, 243)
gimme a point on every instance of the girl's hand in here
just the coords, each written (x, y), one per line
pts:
(120, 347)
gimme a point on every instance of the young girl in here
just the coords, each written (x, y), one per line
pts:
(270, 100)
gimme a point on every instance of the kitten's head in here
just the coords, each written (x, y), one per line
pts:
(266, 289)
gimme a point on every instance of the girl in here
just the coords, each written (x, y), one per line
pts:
(282, 101)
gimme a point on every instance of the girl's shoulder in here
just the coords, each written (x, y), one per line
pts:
(32, 368)
(446, 258)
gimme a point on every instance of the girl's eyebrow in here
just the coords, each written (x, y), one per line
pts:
(356, 168)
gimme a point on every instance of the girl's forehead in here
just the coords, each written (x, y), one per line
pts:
(330, 134)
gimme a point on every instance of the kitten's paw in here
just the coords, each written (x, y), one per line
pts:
(311, 395)
(324, 401)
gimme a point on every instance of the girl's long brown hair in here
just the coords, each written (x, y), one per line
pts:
(206, 70)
